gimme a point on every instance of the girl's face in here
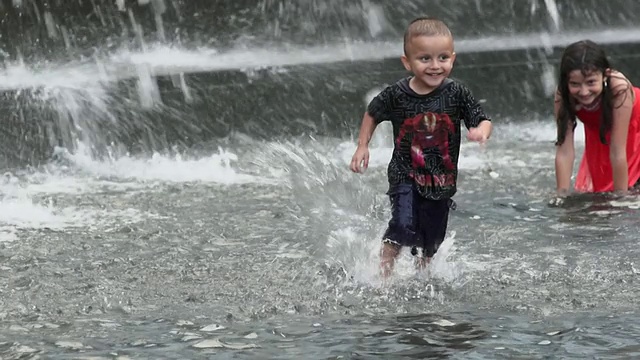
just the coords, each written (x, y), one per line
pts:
(586, 88)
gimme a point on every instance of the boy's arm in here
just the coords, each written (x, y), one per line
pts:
(366, 130)
(472, 112)
(360, 159)
(475, 120)
(378, 110)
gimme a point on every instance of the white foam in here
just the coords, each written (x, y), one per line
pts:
(177, 168)
(22, 212)
(631, 202)
(8, 234)
(59, 180)
(24, 203)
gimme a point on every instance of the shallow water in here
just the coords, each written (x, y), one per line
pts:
(265, 249)
(254, 246)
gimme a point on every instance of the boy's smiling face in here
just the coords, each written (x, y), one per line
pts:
(430, 59)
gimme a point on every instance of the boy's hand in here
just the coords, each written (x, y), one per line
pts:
(477, 134)
(360, 159)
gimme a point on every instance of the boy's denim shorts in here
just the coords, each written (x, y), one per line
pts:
(417, 222)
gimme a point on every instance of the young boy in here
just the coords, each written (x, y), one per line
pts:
(426, 110)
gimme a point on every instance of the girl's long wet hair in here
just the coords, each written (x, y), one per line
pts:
(587, 57)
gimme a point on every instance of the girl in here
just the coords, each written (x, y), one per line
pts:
(607, 104)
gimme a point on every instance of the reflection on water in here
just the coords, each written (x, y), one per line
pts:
(458, 335)
(279, 259)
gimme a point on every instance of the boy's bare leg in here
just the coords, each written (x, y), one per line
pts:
(388, 254)
(422, 262)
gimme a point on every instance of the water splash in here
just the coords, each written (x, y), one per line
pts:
(91, 107)
(376, 20)
(358, 255)
(163, 60)
(554, 13)
(19, 210)
(176, 168)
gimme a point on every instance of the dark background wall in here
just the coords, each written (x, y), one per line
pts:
(52, 28)
(324, 99)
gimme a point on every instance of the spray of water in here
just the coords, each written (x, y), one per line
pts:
(554, 13)
(94, 109)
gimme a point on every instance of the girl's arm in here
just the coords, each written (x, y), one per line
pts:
(622, 107)
(565, 155)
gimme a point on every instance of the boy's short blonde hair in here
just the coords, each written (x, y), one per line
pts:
(425, 26)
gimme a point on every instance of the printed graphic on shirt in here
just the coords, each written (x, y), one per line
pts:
(429, 133)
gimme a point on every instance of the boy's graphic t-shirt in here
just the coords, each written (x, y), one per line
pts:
(426, 129)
